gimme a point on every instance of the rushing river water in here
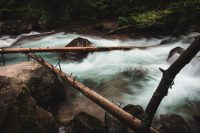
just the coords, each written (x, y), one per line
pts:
(124, 77)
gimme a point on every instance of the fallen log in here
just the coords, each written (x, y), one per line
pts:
(168, 78)
(125, 117)
(70, 49)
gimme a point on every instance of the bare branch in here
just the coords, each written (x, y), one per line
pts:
(168, 78)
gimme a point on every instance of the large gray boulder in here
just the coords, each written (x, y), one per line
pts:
(19, 112)
(44, 86)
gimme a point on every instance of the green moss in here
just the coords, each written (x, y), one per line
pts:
(151, 18)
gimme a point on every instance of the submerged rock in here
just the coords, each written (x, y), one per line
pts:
(176, 50)
(19, 112)
(77, 56)
(43, 84)
(136, 73)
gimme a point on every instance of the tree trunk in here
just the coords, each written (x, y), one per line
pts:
(168, 78)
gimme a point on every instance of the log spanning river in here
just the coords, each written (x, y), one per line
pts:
(124, 77)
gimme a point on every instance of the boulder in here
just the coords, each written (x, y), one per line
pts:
(176, 50)
(86, 123)
(83, 123)
(19, 112)
(135, 110)
(173, 124)
(77, 56)
(114, 125)
(44, 86)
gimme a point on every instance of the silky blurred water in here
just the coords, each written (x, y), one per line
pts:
(105, 71)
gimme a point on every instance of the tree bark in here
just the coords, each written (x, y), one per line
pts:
(168, 78)
(69, 49)
(116, 111)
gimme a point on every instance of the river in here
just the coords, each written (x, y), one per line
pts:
(124, 77)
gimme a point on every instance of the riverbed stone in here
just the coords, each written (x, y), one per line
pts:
(77, 56)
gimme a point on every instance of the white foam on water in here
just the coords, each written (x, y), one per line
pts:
(107, 65)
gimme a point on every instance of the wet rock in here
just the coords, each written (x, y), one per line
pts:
(176, 50)
(79, 42)
(77, 56)
(113, 125)
(136, 73)
(43, 84)
(135, 110)
(173, 124)
(19, 112)
(86, 123)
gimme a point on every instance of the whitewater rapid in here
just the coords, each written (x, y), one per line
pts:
(106, 69)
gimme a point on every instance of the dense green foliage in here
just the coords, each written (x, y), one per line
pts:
(143, 13)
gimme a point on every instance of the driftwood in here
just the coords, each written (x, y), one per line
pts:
(168, 78)
(116, 111)
(70, 49)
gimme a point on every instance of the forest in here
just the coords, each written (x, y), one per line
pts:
(146, 16)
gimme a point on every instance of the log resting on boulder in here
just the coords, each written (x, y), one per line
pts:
(77, 56)
(43, 84)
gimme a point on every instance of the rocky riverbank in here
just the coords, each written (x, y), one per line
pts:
(31, 96)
